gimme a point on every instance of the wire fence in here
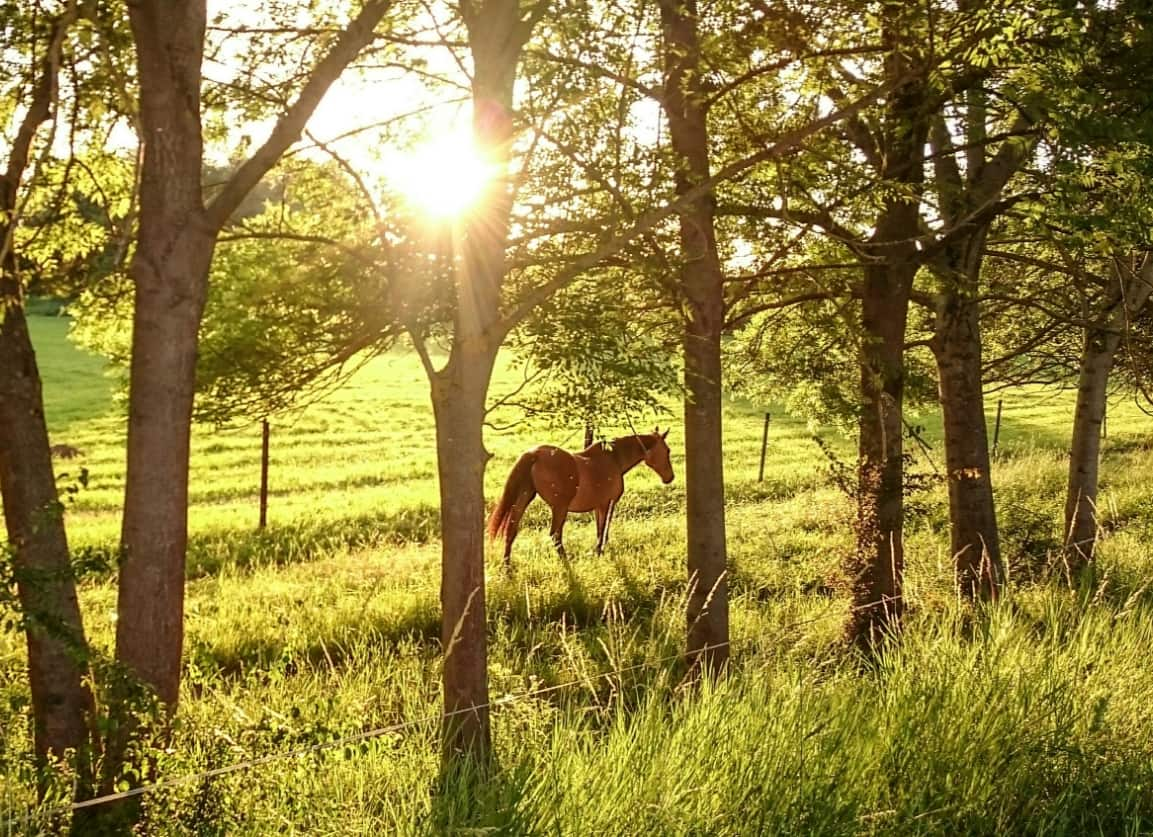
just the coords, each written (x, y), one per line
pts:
(366, 735)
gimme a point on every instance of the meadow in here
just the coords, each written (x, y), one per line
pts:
(1029, 717)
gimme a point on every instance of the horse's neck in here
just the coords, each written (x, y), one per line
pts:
(628, 452)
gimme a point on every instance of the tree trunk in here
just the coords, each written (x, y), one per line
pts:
(458, 396)
(1097, 353)
(62, 704)
(171, 283)
(170, 267)
(708, 604)
(170, 273)
(956, 343)
(1130, 290)
(974, 537)
(877, 571)
(702, 284)
(496, 34)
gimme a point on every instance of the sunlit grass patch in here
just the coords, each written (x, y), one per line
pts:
(1032, 717)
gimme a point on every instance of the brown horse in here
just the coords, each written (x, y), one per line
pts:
(592, 480)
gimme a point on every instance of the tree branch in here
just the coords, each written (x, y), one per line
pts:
(288, 129)
(784, 145)
(44, 92)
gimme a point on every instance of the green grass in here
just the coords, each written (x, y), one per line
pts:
(1030, 719)
(76, 391)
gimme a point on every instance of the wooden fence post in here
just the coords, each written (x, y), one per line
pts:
(764, 446)
(264, 434)
(997, 424)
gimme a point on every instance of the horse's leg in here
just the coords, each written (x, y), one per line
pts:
(602, 513)
(559, 515)
(604, 538)
(513, 527)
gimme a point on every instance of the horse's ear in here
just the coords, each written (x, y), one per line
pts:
(664, 435)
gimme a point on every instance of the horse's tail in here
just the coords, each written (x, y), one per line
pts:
(519, 483)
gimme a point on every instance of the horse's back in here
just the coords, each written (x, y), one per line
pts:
(600, 479)
(579, 482)
(554, 474)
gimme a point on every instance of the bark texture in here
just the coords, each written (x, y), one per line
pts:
(170, 273)
(62, 704)
(974, 536)
(702, 287)
(170, 266)
(878, 569)
(1098, 349)
(458, 395)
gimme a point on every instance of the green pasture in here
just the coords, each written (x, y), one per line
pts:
(1031, 718)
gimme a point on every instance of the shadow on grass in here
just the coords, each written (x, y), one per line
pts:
(308, 539)
(574, 606)
(585, 615)
(285, 544)
(276, 655)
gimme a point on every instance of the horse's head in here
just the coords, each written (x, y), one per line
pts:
(657, 454)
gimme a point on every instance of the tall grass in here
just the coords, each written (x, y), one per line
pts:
(1029, 718)
(1033, 720)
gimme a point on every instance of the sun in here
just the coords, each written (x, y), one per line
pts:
(444, 177)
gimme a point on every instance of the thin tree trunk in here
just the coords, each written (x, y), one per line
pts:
(496, 33)
(1097, 354)
(708, 603)
(458, 396)
(170, 292)
(170, 273)
(877, 571)
(702, 283)
(62, 704)
(1132, 287)
(974, 537)
(170, 267)
(956, 343)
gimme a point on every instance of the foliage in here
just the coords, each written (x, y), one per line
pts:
(806, 357)
(599, 356)
(74, 196)
(297, 291)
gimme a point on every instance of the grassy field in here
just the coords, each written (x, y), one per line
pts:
(1032, 718)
